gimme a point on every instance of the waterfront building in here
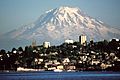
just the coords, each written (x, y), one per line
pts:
(66, 60)
(95, 62)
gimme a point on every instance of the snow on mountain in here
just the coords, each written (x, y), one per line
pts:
(59, 24)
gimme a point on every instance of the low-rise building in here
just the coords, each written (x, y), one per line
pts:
(61, 67)
(68, 41)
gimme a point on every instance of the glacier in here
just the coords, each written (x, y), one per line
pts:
(57, 25)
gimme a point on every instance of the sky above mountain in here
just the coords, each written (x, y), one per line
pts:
(16, 13)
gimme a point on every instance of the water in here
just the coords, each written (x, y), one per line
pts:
(60, 75)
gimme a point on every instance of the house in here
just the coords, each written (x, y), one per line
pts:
(57, 63)
(104, 66)
(51, 68)
(66, 61)
(47, 63)
(53, 53)
(38, 60)
(95, 62)
(73, 61)
(83, 58)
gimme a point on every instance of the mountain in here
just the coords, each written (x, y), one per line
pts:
(59, 24)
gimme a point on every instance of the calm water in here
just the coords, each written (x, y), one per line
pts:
(60, 75)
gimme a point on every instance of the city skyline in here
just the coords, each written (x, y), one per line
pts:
(15, 14)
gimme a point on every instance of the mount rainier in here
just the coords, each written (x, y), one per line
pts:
(56, 25)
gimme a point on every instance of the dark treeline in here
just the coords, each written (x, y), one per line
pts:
(107, 53)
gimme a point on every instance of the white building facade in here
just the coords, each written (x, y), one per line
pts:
(68, 41)
(46, 44)
(82, 39)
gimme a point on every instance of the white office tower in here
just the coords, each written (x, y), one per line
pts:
(68, 41)
(82, 39)
(46, 44)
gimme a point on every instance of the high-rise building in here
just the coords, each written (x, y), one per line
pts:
(46, 44)
(82, 39)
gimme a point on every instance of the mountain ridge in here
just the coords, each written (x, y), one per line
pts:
(59, 24)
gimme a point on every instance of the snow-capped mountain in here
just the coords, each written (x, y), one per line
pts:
(59, 24)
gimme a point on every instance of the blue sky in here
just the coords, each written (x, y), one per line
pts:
(15, 13)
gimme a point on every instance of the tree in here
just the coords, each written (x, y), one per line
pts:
(2, 52)
(20, 49)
